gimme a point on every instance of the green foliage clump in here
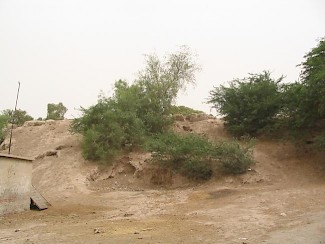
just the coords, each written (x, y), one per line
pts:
(196, 157)
(236, 158)
(17, 117)
(110, 126)
(133, 112)
(249, 104)
(304, 103)
(4, 120)
(56, 111)
(160, 82)
(184, 110)
(261, 104)
(313, 79)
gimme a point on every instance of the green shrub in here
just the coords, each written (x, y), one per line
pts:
(248, 105)
(108, 129)
(235, 159)
(197, 169)
(4, 120)
(196, 157)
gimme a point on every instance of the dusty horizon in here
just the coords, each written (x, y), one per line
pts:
(69, 51)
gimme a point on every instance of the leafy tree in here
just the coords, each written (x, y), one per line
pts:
(304, 104)
(56, 111)
(18, 117)
(313, 77)
(250, 104)
(160, 82)
(138, 110)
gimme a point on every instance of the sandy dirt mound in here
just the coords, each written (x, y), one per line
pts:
(59, 169)
(280, 200)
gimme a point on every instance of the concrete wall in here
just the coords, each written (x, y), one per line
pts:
(15, 184)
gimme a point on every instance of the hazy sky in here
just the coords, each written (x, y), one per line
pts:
(67, 51)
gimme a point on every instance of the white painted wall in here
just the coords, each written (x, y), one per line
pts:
(15, 184)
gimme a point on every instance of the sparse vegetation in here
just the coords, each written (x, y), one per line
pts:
(183, 110)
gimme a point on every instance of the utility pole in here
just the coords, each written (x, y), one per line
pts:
(12, 117)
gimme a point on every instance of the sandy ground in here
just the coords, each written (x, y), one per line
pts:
(281, 200)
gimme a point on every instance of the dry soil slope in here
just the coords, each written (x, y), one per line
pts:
(284, 180)
(59, 169)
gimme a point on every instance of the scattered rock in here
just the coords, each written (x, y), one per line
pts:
(283, 214)
(187, 128)
(243, 238)
(97, 231)
(93, 175)
(60, 147)
(73, 216)
(51, 153)
(48, 153)
(16, 230)
(179, 117)
(33, 123)
(197, 117)
(146, 229)
(136, 233)
(50, 121)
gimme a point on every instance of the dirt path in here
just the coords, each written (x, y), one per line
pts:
(282, 200)
(207, 214)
